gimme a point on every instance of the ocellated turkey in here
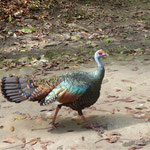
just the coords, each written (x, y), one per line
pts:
(76, 90)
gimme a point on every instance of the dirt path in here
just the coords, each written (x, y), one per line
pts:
(124, 98)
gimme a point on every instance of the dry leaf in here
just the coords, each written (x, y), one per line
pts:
(44, 147)
(50, 117)
(73, 148)
(145, 139)
(128, 99)
(23, 139)
(128, 81)
(146, 59)
(135, 69)
(34, 140)
(27, 115)
(20, 117)
(46, 142)
(70, 130)
(12, 128)
(142, 117)
(128, 108)
(113, 111)
(112, 96)
(1, 127)
(135, 147)
(114, 133)
(39, 120)
(9, 141)
(118, 90)
(23, 145)
(112, 139)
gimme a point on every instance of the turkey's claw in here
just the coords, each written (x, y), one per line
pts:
(54, 125)
(96, 128)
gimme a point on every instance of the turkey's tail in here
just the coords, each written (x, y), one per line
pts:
(16, 89)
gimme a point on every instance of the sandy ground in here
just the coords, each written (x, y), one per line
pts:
(122, 111)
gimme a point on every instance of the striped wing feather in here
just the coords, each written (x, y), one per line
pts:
(71, 87)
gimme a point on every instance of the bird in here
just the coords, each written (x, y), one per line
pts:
(76, 89)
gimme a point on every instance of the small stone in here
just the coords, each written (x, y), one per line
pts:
(53, 43)
(130, 143)
(140, 143)
(148, 99)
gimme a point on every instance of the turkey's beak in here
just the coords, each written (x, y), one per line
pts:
(105, 55)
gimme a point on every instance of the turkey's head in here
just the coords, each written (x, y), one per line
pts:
(100, 53)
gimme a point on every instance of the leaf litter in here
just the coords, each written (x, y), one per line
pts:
(112, 137)
(32, 142)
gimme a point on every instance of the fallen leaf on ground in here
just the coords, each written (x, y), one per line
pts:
(135, 69)
(128, 81)
(112, 96)
(130, 89)
(135, 147)
(114, 133)
(35, 139)
(27, 115)
(142, 117)
(19, 117)
(12, 128)
(145, 139)
(1, 127)
(9, 141)
(113, 111)
(70, 130)
(46, 142)
(73, 148)
(39, 120)
(128, 108)
(128, 99)
(50, 117)
(118, 90)
(23, 139)
(112, 139)
(43, 147)
(146, 59)
(103, 110)
(23, 145)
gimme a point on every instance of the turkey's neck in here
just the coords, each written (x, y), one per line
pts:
(100, 70)
(99, 63)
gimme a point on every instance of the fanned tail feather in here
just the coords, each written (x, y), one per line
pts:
(16, 89)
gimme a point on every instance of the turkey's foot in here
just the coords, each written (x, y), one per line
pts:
(96, 128)
(91, 126)
(55, 125)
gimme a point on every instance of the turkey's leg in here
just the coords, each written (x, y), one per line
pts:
(55, 115)
(86, 121)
